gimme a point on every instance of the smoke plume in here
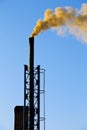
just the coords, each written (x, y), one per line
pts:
(67, 18)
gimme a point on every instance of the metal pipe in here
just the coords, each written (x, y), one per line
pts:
(31, 68)
(38, 95)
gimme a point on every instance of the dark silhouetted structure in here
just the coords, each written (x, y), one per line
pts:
(27, 117)
(32, 91)
(18, 117)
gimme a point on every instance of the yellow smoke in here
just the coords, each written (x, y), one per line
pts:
(73, 19)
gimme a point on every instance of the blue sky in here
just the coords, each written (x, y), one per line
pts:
(63, 57)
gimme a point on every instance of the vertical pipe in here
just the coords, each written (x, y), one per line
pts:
(38, 97)
(31, 66)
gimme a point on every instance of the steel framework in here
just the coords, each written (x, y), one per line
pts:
(27, 118)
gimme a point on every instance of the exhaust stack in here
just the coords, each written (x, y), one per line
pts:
(31, 121)
(31, 68)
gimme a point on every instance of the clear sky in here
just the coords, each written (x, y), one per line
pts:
(63, 57)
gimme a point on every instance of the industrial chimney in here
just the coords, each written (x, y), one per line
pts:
(30, 111)
(31, 69)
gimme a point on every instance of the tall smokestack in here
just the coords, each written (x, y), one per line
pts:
(31, 69)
